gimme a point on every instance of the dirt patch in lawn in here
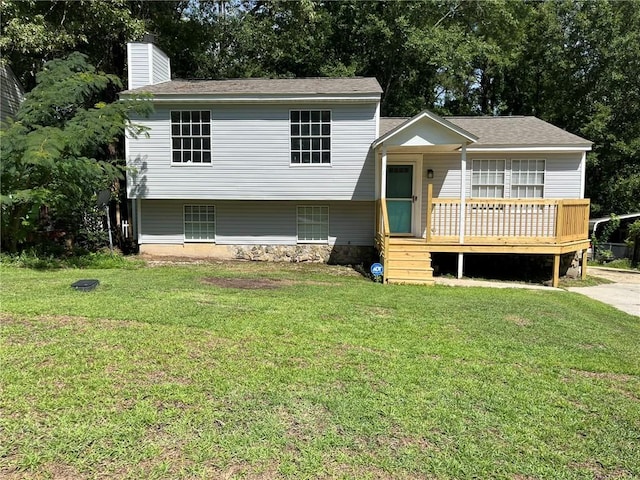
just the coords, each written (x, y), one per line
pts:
(518, 320)
(256, 283)
(623, 377)
(599, 471)
(56, 471)
(247, 283)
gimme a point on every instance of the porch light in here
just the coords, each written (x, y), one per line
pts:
(429, 173)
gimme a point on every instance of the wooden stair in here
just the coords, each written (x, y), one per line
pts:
(408, 261)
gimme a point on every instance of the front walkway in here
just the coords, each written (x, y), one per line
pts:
(624, 294)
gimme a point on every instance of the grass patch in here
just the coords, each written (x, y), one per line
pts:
(566, 282)
(181, 372)
(620, 263)
(94, 260)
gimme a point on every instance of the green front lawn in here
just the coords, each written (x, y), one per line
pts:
(178, 372)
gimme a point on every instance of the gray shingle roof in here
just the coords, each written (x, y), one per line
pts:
(504, 131)
(389, 123)
(265, 86)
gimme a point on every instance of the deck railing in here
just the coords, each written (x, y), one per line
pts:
(506, 221)
(496, 221)
(382, 230)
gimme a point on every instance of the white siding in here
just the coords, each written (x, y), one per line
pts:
(251, 157)
(257, 223)
(147, 65)
(162, 221)
(562, 174)
(446, 175)
(138, 64)
(161, 71)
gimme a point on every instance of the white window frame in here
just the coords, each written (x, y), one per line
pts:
(488, 171)
(201, 137)
(528, 185)
(316, 241)
(320, 137)
(184, 223)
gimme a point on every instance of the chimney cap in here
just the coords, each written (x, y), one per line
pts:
(149, 38)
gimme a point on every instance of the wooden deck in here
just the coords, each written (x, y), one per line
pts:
(532, 226)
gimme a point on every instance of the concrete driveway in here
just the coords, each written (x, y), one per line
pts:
(624, 294)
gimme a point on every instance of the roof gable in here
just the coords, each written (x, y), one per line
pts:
(425, 129)
(505, 132)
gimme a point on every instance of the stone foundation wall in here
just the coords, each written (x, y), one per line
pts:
(338, 254)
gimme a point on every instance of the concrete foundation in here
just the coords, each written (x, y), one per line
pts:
(194, 250)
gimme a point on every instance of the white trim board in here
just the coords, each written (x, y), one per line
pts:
(525, 149)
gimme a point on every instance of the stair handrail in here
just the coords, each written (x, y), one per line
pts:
(382, 219)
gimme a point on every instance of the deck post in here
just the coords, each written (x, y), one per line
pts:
(463, 195)
(463, 191)
(377, 227)
(556, 270)
(560, 221)
(429, 208)
(383, 199)
(383, 173)
(460, 264)
(583, 173)
(583, 268)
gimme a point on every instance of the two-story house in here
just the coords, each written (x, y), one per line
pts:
(307, 169)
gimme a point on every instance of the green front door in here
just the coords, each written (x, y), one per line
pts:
(400, 197)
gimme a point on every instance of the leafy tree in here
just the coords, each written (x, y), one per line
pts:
(34, 32)
(573, 63)
(61, 149)
(578, 70)
(634, 242)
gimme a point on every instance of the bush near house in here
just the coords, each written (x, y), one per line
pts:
(634, 242)
(59, 153)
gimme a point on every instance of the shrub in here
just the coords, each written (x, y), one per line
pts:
(634, 242)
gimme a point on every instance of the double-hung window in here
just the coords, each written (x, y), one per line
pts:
(310, 132)
(199, 223)
(527, 178)
(313, 224)
(487, 179)
(191, 137)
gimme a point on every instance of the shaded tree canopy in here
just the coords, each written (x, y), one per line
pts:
(62, 149)
(572, 63)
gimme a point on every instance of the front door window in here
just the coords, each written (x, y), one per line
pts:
(400, 198)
